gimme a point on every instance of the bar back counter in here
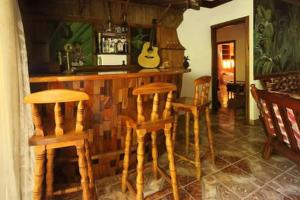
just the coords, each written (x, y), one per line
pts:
(110, 93)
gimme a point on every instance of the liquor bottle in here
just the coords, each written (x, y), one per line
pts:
(103, 45)
(120, 46)
(125, 47)
(124, 27)
(99, 43)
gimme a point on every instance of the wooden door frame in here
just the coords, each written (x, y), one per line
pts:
(234, 49)
(214, 71)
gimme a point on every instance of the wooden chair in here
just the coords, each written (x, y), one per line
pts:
(144, 122)
(196, 105)
(46, 139)
(280, 115)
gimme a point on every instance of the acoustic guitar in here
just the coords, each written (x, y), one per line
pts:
(149, 57)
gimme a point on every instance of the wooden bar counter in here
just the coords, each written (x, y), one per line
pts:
(110, 93)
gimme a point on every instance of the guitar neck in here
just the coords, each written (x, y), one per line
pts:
(152, 33)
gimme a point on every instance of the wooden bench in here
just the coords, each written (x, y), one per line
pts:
(280, 115)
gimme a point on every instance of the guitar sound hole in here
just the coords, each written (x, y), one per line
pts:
(149, 57)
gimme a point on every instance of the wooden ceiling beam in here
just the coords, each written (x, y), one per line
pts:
(212, 4)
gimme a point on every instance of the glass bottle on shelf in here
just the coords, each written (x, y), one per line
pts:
(120, 46)
(124, 27)
(99, 43)
(103, 45)
(125, 47)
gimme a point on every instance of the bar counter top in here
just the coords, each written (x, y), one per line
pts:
(106, 75)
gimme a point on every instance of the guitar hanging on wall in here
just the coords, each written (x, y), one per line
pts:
(149, 57)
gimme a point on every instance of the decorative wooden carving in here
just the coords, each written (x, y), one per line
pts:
(286, 82)
(58, 120)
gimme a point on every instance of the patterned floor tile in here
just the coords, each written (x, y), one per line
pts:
(288, 185)
(259, 169)
(236, 180)
(194, 189)
(183, 195)
(213, 189)
(267, 192)
(277, 161)
(295, 171)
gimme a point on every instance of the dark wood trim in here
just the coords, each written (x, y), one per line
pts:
(214, 72)
(234, 49)
(295, 2)
(212, 4)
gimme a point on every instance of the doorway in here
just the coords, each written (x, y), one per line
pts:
(226, 71)
(230, 65)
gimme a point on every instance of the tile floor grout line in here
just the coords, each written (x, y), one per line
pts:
(188, 193)
(266, 184)
(291, 173)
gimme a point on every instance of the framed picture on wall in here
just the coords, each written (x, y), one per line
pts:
(276, 37)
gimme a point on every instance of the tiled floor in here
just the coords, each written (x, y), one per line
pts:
(239, 171)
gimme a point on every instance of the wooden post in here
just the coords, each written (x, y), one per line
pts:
(58, 120)
(38, 172)
(140, 165)
(49, 174)
(90, 169)
(83, 172)
(209, 135)
(175, 126)
(197, 146)
(187, 131)
(172, 168)
(79, 117)
(126, 157)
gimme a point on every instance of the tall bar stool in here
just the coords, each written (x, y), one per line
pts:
(46, 139)
(196, 105)
(144, 122)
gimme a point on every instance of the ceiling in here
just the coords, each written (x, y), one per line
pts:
(182, 4)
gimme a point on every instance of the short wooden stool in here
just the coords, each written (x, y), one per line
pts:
(46, 139)
(144, 122)
(196, 105)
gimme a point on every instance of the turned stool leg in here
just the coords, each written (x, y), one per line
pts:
(175, 125)
(38, 172)
(83, 172)
(49, 174)
(197, 146)
(187, 131)
(126, 158)
(154, 154)
(170, 150)
(90, 169)
(140, 165)
(209, 135)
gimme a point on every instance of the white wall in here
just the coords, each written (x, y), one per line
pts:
(238, 34)
(195, 35)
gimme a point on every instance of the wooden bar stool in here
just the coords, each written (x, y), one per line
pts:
(196, 105)
(46, 139)
(144, 122)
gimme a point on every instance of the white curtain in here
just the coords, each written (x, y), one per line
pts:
(16, 164)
